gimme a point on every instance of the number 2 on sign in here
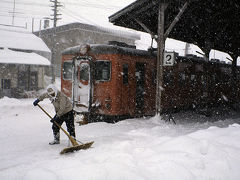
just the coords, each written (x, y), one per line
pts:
(169, 59)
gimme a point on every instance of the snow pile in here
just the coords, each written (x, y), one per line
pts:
(21, 39)
(14, 57)
(142, 149)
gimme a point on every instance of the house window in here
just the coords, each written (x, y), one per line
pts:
(125, 74)
(6, 84)
(33, 81)
(22, 79)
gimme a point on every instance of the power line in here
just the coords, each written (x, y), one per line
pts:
(25, 13)
(98, 6)
(76, 16)
(22, 17)
(14, 4)
(25, 3)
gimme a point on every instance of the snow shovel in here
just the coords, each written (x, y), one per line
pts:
(75, 146)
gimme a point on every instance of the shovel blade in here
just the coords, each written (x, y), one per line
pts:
(77, 148)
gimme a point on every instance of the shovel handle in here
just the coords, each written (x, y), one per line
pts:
(44, 111)
(74, 143)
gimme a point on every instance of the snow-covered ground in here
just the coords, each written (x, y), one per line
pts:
(197, 148)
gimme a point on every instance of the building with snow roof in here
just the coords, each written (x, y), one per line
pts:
(23, 59)
(73, 34)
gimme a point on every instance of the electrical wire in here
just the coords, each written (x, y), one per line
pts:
(29, 13)
(78, 17)
(31, 3)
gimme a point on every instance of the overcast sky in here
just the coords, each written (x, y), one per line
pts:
(94, 12)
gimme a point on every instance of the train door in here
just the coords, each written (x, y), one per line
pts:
(140, 80)
(81, 87)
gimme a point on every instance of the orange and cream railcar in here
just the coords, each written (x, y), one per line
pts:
(110, 82)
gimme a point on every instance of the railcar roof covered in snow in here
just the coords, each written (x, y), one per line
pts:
(109, 49)
(19, 38)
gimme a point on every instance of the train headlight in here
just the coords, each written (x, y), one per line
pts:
(84, 49)
(108, 106)
(108, 103)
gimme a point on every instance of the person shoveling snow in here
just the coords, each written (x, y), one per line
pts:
(64, 113)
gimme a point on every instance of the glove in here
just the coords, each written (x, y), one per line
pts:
(55, 118)
(36, 102)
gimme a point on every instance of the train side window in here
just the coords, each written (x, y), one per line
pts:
(193, 79)
(103, 71)
(154, 76)
(203, 80)
(238, 77)
(168, 79)
(67, 70)
(181, 79)
(214, 80)
(125, 74)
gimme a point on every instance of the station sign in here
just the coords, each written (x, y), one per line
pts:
(169, 58)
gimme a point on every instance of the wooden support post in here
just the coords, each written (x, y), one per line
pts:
(160, 55)
(176, 19)
(145, 28)
(234, 76)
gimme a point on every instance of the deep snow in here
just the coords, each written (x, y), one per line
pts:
(197, 148)
(8, 56)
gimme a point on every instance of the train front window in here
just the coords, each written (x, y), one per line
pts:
(67, 70)
(103, 70)
(84, 71)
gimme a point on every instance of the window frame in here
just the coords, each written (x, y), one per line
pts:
(6, 83)
(125, 80)
(110, 70)
(89, 71)
(63, 77)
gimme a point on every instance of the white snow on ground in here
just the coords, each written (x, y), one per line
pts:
(141, 149)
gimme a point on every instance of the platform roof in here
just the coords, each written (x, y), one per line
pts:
(203, 21)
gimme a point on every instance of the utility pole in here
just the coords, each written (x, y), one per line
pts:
(55, 18)
(32, 24)
(13, 14)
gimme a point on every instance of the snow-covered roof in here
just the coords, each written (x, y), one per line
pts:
(19, 38)
(94, 28)
(15, 57)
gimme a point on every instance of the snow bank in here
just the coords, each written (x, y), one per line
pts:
(18, 38)
(14, 57)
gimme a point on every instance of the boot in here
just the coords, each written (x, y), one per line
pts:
(56, 139)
